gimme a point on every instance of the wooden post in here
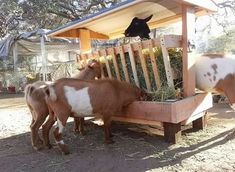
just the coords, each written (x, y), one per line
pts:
(188, 30)
(172, 132)
(15, 55)
(85, 40)
(44, 58)
(200, 123)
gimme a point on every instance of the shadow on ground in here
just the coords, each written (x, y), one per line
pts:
(132, 151)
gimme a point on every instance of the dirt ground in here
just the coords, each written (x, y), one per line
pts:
(211, 149)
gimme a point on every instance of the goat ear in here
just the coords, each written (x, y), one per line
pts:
(148, 18)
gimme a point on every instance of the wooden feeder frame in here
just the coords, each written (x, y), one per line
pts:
(170, 115)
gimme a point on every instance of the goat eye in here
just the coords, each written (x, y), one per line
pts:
(136, 23)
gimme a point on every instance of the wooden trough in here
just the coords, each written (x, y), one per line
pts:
(170, 115)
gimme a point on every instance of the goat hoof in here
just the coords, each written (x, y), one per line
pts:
(65, 153)
(64, 149)
(76, 131)
(39, 142)
(37, 147)
(82, 133)
(48, 146)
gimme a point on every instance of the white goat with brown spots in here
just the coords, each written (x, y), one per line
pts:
(216, 73)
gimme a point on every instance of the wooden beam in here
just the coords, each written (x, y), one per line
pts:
(188, 32)
(85, 40)
(96, 35)
(152, 25)
(136, 121)
(73, 33)
(205, 4)
(165, 21)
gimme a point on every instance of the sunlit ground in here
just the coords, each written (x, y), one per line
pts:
(211, 149)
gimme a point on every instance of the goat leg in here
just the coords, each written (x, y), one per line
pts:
(107, 132)
(79, 125)
(58, 136)
(35, 125)
(46, 130)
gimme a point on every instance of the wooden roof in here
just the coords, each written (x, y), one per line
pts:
(111, 23)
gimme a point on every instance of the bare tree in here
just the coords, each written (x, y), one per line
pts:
(226, 11)
(27, 15)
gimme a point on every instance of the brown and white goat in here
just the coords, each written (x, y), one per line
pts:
(216, 73)
(35, 99)
(100, 98)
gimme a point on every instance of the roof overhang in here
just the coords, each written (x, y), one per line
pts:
(111, 23)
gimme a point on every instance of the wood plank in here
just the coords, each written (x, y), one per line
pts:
(188, 32)
(168, 111)
(89, 56)
(102, 71)
(133, 64)
(167, 64)
(192, 118)
(119, 50)
(96, 55)
(165, 21)
(145, 44)
(84, 57)
(192, 106)
(172, 41)
(144, 67)
(208, 5)
(78, 58)
(156, 42)
(154, 65)
(104, 54)
(110, 52)
(136, 121)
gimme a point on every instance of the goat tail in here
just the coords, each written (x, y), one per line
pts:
(50, 92)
